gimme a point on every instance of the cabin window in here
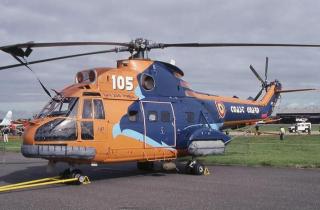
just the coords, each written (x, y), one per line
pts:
(147, 82)
(165, 116)
(87, 109)
(98, 109)
(190, 117)
(152, 116)
(133, 116)
(87, 132)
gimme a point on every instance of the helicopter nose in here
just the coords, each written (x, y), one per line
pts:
(28, 136)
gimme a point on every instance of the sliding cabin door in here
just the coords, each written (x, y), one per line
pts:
(159, 124)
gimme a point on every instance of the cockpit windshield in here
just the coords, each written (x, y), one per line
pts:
(59, 106)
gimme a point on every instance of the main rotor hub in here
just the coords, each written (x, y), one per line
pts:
(138, 47)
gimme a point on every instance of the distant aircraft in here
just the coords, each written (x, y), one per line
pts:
(16, 126)
(7, 119)
(269, 120)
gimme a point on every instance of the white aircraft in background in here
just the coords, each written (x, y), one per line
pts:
(16, 126)
(7, 119)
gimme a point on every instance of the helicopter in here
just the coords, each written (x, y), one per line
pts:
(141, 110)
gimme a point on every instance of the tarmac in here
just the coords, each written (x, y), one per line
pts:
(122, 186)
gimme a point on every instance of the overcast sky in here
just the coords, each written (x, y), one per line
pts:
(221, 71)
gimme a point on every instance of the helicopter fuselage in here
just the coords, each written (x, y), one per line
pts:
(140, 111)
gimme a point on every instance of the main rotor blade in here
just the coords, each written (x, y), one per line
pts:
(266, 69)
(155, 45)
(256, 74)
(61, 44)
(258, 95)
(163, 45)
(295, 90)
(66, 57)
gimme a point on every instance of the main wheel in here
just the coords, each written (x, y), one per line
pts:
(198, 169)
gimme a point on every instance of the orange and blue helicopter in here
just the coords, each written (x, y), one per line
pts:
(142, 110)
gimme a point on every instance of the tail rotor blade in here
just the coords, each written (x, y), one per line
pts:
(295, 90)
(258, 95)
(256, 74)
(266, 69)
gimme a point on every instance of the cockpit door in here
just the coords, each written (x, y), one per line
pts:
(93, 124)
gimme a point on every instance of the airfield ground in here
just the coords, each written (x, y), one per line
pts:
(122, 186)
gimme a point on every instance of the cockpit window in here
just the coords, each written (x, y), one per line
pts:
(62, 107)
(60, 129)
(98, 109)
(87, 109)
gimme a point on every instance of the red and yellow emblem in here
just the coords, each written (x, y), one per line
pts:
(221, 109)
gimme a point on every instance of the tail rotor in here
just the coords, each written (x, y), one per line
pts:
(264, 83)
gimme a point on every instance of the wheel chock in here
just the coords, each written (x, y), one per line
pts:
(206, 171)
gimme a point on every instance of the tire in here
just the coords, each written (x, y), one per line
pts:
(198, 169)
(81, 179)
(76, 173)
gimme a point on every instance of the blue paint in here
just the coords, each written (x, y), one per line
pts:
(138, 93)
(168, 89)
(116, 130)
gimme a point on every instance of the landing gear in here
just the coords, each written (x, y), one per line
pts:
(74, 173)
(146, 166)
(194, 167)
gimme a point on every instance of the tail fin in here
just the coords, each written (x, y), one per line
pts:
(7, 120)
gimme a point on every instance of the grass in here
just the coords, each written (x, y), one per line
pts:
(13, 145)
(294, 151)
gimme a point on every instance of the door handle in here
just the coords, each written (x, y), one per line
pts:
(162, 131)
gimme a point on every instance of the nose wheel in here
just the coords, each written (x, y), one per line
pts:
(75, 173)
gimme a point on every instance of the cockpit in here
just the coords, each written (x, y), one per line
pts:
(71, 118)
